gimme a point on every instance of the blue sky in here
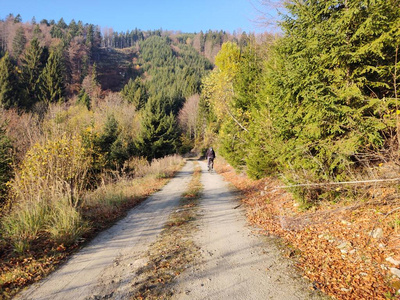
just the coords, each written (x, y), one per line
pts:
(184, 15)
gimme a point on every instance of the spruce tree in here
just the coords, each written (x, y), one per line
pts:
(19, 42)
(9, 93)
(329, 80)
(135, 92)
(89, 35)
(32, 65)
(37, 31)
(52, 87)
(84, 99)
(73, 29)
(159, 132)
(6, 159)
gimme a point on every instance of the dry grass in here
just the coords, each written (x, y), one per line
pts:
(59, 231)
(170, 255)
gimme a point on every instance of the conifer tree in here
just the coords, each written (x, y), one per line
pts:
(32, 65)
(8, 83)
(5, 164)
(73, 28)
(52, 87)
(90, 35)
(108, 138)
(61, 23)
(56, 32)
(327, 84)
(234, 134)
(19, 42)
(37, 31)
(135, 92)
(84, 99)
(159, 132)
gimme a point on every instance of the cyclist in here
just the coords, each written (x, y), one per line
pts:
(210, 158)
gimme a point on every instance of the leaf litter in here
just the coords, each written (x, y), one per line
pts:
(345, 248)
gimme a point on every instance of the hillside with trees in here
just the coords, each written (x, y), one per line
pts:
(87, 117)
(314, 109)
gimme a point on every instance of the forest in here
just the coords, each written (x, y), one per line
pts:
(82, 108)
(318, 104)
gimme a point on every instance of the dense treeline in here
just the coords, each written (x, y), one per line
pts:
(77, 46)
(319, 103)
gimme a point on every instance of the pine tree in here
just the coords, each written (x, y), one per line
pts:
(159, 132)
(8, 83)
(32, 65)
(52, 87)
(6, 158)
(19, 42)
(135, 92)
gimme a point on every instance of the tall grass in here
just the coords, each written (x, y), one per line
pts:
(24, 223)
(160, 168)
(143, 180)
(48, 210)
(65, 224)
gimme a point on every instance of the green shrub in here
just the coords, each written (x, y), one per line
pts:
(6, 170)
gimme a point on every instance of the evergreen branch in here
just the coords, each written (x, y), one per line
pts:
(336, 183)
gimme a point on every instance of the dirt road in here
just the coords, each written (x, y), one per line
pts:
(236, 264)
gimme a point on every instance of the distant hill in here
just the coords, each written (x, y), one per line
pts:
(116, 54)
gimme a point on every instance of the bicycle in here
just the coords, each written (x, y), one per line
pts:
(210, 164)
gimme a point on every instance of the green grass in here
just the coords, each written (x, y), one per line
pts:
(65, 224)
(23, 225)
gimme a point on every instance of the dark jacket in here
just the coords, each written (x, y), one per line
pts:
(210, 153)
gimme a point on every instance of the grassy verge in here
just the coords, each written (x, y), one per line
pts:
(342, 246)
(173, 251)
(101, 209)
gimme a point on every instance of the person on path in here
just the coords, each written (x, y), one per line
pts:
(210, 158)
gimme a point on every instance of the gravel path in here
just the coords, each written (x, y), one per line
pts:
(236, 264)
(104, 269)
